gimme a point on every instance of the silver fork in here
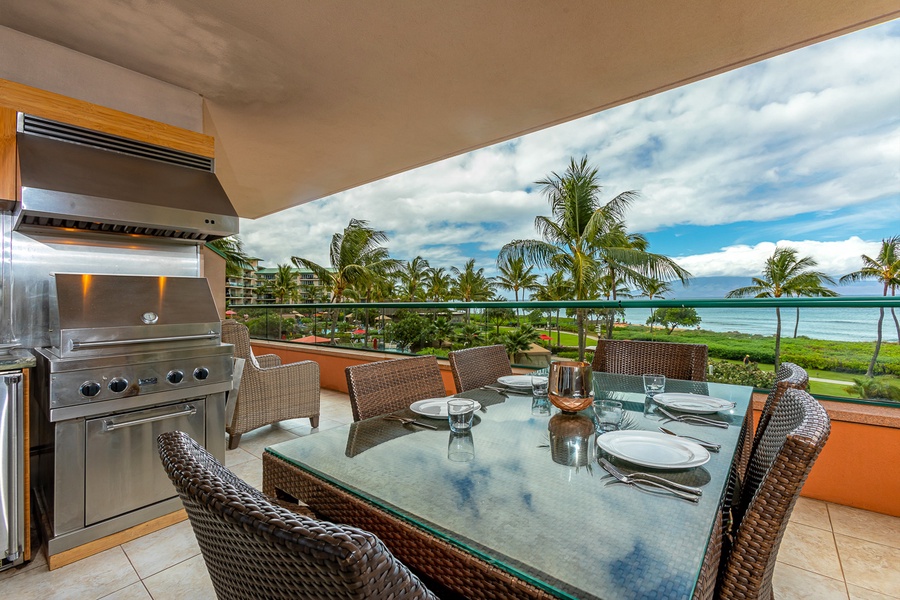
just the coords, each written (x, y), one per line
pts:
(408, 421)
(692, 419)
(638, 479)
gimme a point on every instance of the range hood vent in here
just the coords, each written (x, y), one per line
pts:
(104, 141)
(74, 179)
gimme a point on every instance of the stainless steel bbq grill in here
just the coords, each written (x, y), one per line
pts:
(132, 357)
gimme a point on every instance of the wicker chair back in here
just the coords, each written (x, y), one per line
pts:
(255, 549)
(632, 357)
(778, 468)
(386, 386)
(475, 367)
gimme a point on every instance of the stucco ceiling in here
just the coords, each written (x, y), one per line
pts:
(309, 98)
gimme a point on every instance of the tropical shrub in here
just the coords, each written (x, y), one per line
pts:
(873, 389)
(741, 374)
(413, 331)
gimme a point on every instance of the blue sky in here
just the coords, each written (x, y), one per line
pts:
(802, 150)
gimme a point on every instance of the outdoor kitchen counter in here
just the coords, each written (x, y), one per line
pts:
(17, 359)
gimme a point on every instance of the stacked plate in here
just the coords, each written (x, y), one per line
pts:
(693, 403)
(653, 449)
(517, 382)
(435, 408)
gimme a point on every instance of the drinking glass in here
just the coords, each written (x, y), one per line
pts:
(609, 415)
(539, 386)
(540, 407)
(461, 447)
(654, 384)
(460, 413)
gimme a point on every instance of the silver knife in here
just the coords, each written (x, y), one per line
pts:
(708, 445)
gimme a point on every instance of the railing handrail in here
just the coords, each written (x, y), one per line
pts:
(783, 302)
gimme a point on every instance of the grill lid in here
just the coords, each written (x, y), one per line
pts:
(77, 179)
(118, 314)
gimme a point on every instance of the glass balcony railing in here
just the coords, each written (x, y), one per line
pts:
(835, 339)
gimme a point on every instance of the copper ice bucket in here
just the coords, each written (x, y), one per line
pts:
(571, 385)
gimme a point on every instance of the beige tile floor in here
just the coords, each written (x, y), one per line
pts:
(828, 552)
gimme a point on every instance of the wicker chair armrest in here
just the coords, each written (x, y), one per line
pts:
(267, 361)
(300, 379)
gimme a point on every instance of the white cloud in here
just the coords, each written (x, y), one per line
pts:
(834, 258)
(803, 144)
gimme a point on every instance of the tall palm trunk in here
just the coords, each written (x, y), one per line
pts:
(777, 337)
(797, 323)
(334, 317)
(871, 370)
(579, 319)
(893, 314)
(558, 334)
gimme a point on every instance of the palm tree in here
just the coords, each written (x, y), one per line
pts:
(785, 275)
(884, 268)
(514, 277)
(627, 262)
(585, 238)
(284, 287)
(470, 285)
(232, 250)
(651, 287)
(439, 284)
(412, 279)
(356, 257)
(555, 288)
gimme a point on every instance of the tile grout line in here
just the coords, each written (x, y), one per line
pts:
(837, 550)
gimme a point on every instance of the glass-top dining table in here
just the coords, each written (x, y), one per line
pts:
(532, 513)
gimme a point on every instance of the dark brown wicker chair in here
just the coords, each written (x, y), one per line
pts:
(255, 549)
(627, 357)
(475, 367)
(269, 391)
(780, 463)
(386, 386)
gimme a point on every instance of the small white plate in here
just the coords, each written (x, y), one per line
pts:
(436, 408)
(653, 449)
(515, 381)
(693, 403)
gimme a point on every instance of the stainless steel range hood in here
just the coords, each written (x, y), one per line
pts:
(77, 179)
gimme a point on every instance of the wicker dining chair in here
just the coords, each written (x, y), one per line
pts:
(476, 367)
(269, 391)
(256, 549)
(382, 387)
(632, 357)
(779, 466)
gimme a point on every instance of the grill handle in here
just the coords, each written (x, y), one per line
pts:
(76, 345)
(110, 425)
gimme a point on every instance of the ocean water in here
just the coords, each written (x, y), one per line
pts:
(840, 324)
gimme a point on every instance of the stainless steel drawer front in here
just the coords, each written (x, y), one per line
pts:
(123, 471)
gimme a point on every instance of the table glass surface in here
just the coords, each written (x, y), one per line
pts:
(533, 500)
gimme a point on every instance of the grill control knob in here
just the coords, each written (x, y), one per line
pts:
(201, 373)
(89, 389)
(118, 385)
(175, 376)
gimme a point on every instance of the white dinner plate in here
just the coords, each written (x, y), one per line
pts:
(435, 408)
(515, 381)
(653, 449)
(693, 403)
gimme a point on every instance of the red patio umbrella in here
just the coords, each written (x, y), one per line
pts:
(545, 337)
(358, 331)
